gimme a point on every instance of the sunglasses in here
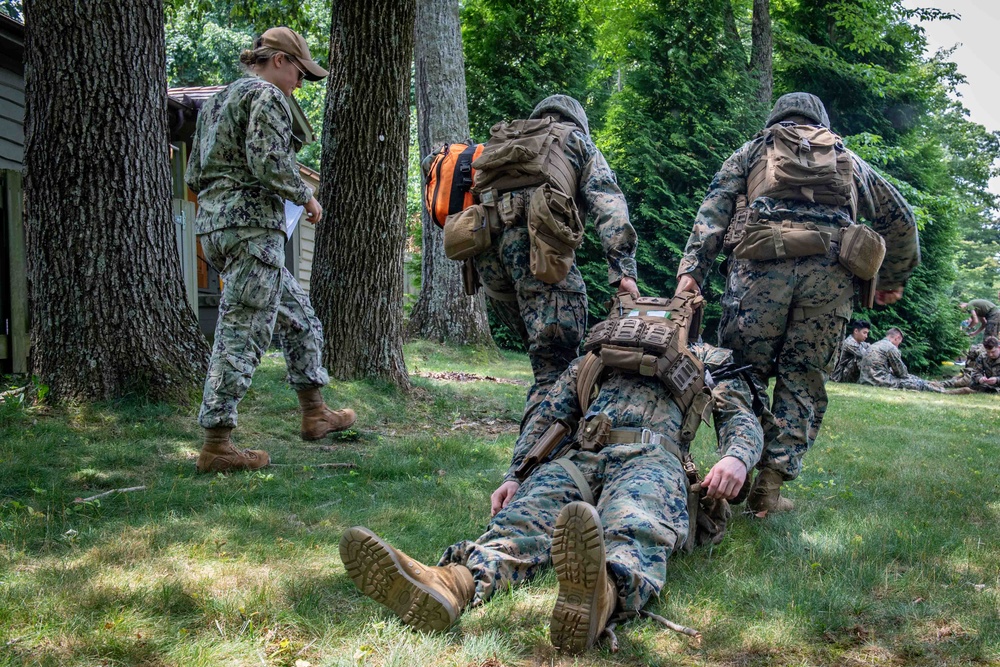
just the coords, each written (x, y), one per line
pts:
(302, 74)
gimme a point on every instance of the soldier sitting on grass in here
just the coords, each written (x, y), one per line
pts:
(883, 366)
(599, 486)
(986, 368)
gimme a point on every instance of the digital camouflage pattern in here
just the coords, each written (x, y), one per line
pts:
(242, 162)
(786, 317)
(851, 353)
(551, 318)
(640, 489)
(883, 367)
(259, 296)
(984, 367)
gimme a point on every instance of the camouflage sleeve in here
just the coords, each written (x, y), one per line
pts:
(896, 363)
(977, 371)
(269, 147)
(891, 217)
(736, 426)
(193, 170)
(598, 188)
(560, 403)
(712, 220)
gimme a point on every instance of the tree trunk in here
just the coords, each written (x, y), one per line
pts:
(443, 312)
(358, 270)
(109, 314)
(761, 51)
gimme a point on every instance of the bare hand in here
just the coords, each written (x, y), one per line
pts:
(725, 479)
(687, 284)
(502, 496)
(628, 285)
(313, 211)
(886, 297)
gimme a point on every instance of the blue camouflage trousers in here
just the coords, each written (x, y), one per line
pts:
(786, 317)
(259, 298)
(641, 496)
(550, 319)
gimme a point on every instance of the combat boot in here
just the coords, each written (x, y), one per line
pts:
(319, 420)
(218, 454)
(765, 494)
(587, 596)
(960, 391)
(425, 598)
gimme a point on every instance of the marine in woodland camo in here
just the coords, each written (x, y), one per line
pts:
(551, 319)
(851, 354)
(883, 367)
(640, 489)
(243, 167)
(786, 317)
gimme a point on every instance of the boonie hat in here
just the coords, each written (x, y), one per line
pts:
(288, 41)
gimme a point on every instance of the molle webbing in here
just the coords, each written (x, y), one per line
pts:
(649, 338)
(526, 153)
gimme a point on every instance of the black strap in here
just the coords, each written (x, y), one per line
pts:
(461, 180)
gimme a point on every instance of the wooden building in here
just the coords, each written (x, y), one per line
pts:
(14, 334)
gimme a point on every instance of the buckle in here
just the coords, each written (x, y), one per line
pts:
(649, 437)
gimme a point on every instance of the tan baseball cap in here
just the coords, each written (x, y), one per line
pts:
(288, 41)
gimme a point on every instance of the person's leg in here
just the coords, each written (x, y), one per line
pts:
(301, 335)
(249, 261)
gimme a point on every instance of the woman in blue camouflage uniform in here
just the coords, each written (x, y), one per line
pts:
(243, 168)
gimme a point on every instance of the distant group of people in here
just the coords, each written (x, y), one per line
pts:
(601, 483)
(881, 365)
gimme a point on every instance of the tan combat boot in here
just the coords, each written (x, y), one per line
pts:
(765, 494)
(218, 454)
(587, 596)
(319, 420)
(960, 391)
(425, 598)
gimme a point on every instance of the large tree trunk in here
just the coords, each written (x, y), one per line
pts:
(761, 50)
(358, 270)
(109, 315)
(443, 312)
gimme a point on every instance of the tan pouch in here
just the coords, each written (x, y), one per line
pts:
(862, 250)
(555, 231)
(466, 234)
(762, 241)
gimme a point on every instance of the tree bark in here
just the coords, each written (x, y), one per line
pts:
(761, 51)
(358, 269)
(109, 314)
(443, 312)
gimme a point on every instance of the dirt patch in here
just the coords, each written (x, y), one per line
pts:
(458, 376)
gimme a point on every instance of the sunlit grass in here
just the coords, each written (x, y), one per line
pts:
(890, 559)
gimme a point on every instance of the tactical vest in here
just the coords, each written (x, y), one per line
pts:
(649, 336)
(804, 163)
(523, 154)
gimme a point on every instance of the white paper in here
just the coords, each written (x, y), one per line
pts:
(292, 214)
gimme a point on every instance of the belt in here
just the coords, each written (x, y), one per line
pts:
(626, 436)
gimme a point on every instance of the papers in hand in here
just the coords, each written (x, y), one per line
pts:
(293, 212)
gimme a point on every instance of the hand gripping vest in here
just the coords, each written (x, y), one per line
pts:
(649, 336)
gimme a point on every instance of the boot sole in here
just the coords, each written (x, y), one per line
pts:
(378, 574)
(310, 438)
(578, 557)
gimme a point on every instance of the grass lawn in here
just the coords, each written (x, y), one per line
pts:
(891, 558)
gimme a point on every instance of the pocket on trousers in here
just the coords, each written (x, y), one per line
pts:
(257, 281)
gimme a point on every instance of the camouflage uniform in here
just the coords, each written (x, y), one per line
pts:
(640, 489)
(883, 367)
(851, 354)
(785, 317)
(551, 319)
(984, 367)
(243, 167)
(988, 314)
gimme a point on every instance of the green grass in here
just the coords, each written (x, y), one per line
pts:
(891, 558)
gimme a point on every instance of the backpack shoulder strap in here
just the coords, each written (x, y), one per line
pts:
(588, 374)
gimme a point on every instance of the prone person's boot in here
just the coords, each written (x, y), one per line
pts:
(425, 598)
(765, 494)
(587, 596)
(218, 454)
(319, 420)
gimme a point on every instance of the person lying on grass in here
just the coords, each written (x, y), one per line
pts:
(601, 484)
